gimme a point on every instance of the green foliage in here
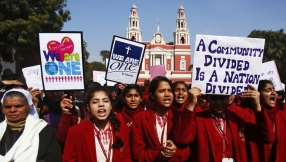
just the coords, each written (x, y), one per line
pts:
(275, 48)
(85, 55)
(104, 54)
(21, 20)
(97, 66)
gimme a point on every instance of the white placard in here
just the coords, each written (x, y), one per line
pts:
(33, 76)
(270, 72)
(125, 60)
(226, 65)
(62, 60)
(109, 83)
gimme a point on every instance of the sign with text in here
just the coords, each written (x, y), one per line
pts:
(33, 76)
(124, 61)
(62, 60)
(270, 72)
(226, 65)
(109, 83)
(157, 70)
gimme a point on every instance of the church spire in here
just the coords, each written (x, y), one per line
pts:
(181, 34)
(133, 31)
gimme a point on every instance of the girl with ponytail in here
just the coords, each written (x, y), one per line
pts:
(102, 137)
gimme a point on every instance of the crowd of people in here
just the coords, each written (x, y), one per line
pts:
(160, 121)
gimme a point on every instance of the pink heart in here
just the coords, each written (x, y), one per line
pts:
(65, 47)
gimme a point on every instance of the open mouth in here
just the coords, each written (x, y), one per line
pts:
(102, 113)
(272, 100)
(180, 98)
(167, 101)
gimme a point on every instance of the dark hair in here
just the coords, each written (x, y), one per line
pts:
(262, 84)
(154, 85)
(17, 77)
(178, 82)
(146, 83)
(91, 84)
(112, 117)
(189, 86)
(132, 86)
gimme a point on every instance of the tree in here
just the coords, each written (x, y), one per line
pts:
(104, 54)
(274, 49)
(97, 66)
(85, 55)
(21, 20)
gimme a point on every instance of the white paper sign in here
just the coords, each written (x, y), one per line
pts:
(33, 76)
(225, 65)
(124, 61)
(270, 72)
(109, 83)
(62, 60)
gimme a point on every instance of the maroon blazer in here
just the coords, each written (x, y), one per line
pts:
(145, 143)
(197, 128)
(80, 144)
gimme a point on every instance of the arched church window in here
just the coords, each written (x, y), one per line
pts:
(147, 66)
(182, 40)
(182, 24)
(178, 24)
(133, 23)
(136, 23)
(133, 38)
(182, 64)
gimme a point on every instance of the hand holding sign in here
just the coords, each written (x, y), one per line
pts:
(254, 97)
(194, 93)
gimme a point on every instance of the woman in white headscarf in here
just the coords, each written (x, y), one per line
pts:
(23, 137)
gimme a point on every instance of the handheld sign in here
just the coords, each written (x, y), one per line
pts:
(270, 72)
(226, 65)
(33, 76)
(62, 60)
(124, 61)
(157, 70)
(99, 76)
(109, 83)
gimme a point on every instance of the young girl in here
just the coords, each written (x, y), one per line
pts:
(132, 96)
(102, 137)
(276, 150)
(181, 95)
(151, 133)
(219, 134)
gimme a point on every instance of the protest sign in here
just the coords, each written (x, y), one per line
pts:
(157, 70)
(124, 61)
(62, 60)
(109, 83)
(33, 76)
(226, 65)
(270, 72)
(99, 76)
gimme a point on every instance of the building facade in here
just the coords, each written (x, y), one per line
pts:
(176, 55)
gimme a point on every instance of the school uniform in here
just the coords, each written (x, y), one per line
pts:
(149, 135)
(213, 139)
(82, 144)
(126, 116)
(273, 151)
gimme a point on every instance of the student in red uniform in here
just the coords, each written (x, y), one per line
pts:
(181, 95)
(151, 133)
(219, 134)
(132, 96)
(275, 151)
(102, 137)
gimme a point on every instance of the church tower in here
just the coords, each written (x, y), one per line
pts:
(181, 34)
(133, 31)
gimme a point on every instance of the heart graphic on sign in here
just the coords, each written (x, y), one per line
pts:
(65, 47)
